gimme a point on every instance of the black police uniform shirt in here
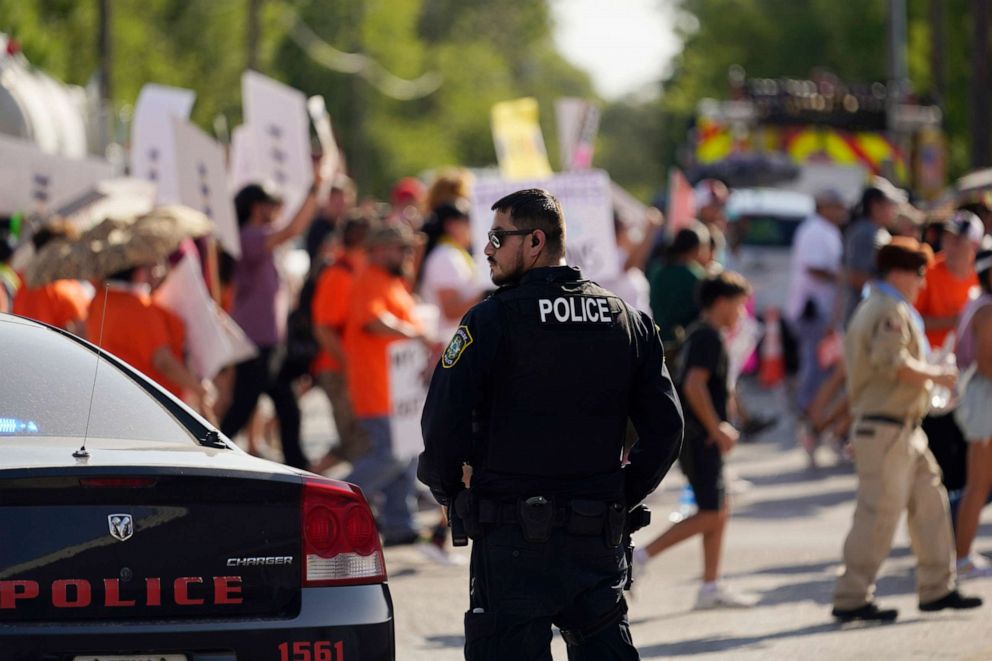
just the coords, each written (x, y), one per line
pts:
(704, 349)
(535, 390)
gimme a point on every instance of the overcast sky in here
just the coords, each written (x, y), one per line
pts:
(624, 44)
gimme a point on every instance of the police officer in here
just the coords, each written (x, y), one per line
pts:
(889, 382)
(534, 393)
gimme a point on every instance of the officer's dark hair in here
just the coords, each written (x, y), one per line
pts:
(726, 284)
(536, 208)
(355, 230)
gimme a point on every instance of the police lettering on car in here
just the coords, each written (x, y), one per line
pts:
(534, 393)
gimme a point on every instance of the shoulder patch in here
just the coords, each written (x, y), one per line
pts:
(456, 347)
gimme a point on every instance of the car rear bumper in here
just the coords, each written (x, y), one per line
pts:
(334, 624)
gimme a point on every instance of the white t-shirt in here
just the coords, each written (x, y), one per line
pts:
(630, 285)
(817, 245)
(448, 268)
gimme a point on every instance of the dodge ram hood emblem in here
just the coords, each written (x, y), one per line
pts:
(121, 526)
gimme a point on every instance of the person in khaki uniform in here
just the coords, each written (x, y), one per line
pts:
(889, 381)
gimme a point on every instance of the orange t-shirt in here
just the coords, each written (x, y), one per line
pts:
(373, 292)
(943, 296)
(134, 329)
(330, 306)
(58, 303)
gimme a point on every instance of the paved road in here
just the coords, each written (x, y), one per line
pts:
(783, 547)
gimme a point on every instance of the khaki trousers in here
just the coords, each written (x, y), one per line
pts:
(354, 441)
(896, 473)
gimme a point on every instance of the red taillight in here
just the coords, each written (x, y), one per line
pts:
(339, 538)
(118, 482)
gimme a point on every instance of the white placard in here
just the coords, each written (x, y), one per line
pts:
(242, 161)
(213, 339)
(153, 151)
(202, 177)
(37, 181)
(331, 157)
(277, 120)
(578, 124)
(585, 198)
(407, 394)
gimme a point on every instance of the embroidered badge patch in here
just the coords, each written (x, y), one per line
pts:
(456, 347)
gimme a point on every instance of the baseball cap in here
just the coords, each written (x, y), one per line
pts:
(710, 191)
(889, 190)
(407, 190)
(965, 223)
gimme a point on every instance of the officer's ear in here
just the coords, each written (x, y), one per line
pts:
(534, 240)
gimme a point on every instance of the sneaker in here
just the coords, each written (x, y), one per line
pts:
(441, 556)
(721, 597)
(869, 613)
(974, 566)
(756, 425)
(952, 599)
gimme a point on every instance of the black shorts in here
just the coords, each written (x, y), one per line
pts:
(702, 465)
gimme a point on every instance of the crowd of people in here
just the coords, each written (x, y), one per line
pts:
(374, 267)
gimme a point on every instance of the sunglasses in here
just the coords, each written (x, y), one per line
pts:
(496, 236)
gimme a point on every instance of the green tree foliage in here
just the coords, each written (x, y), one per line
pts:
(485, 52)
(777, 38)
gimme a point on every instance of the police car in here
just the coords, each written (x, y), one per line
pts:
(131, 530)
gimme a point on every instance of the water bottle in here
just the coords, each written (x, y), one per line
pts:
(940, 396)
(687, 505)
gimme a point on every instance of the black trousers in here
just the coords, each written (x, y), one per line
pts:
(266, 374)
(520, 589)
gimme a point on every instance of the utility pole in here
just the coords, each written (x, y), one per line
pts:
(104, 82)
(980, 109)
(937, 50)
(254, 7)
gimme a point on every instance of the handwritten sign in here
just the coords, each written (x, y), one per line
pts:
(202, 176)
(35, 181)
(153, 149)
(408, 363)
(277, 120)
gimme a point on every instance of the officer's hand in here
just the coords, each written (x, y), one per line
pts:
(726, 437)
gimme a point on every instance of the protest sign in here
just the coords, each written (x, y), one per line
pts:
(279, 129)
(585, 198)
(213, 339)
(202, 179)
(578, 124)
(33, 180)
(408, 363)
(330, 161)
(519, 143)
(153, 149)
(681, 202)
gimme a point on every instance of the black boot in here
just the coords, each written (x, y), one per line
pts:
(952, 599)
(869, 613)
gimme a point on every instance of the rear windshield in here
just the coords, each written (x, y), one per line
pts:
(45, 385)
(768, 231)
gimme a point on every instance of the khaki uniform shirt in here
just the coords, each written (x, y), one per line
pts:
(879, 339)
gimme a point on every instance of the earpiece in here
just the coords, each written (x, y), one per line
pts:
(533, 241)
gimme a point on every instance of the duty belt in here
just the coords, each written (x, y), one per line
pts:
(891, 420)
(538, 515)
